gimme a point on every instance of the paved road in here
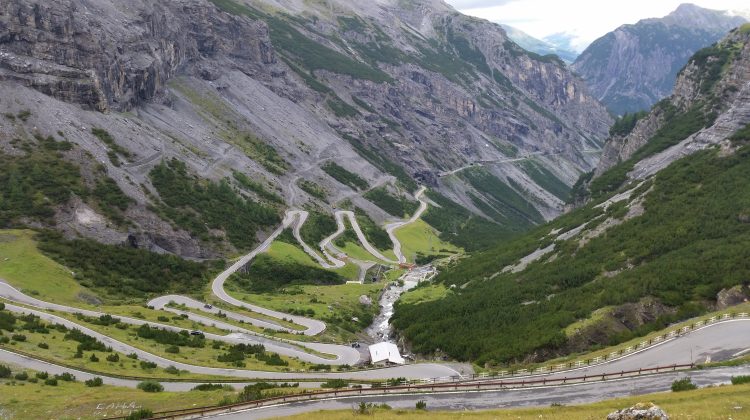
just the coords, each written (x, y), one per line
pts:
(391, 228)
(484, 400)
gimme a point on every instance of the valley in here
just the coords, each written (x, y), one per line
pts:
(267, 208)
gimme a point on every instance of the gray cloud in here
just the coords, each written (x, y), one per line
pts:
(475, 4)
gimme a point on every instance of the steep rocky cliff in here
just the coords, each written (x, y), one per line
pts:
(711, 96)
(275, 90)
(635, 66)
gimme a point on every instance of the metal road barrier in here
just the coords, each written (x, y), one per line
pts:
(191, 413)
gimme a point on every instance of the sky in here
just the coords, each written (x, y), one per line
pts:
(586, 20)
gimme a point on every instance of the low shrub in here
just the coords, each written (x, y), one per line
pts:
(150, 386)
(684, 384)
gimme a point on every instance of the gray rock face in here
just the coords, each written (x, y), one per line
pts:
(183, 79)
(119, 54)
(731, 99)
(635, 66)
(640, 411)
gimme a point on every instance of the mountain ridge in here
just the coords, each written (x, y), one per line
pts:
(635, 66)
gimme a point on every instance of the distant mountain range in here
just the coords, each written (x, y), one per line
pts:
(635, 66)
(539, 46)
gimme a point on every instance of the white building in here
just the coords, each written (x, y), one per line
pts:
(385, 352)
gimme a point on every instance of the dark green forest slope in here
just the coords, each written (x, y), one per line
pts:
(692, 241)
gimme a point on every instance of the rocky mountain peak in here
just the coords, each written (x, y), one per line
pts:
(635, 66)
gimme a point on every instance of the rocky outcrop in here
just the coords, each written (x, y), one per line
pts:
(121, 54)
(723, 97)
(733, 296)
(640, 411)
(635, 66)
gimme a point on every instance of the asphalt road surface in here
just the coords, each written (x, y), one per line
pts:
(481, 400)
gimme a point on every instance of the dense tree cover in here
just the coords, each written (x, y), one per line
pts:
(86, 342)
(33, 184)
(545, 179)
(163, 336)
(124, 272)
(318, 227)
(460, 227)
(505, 203)
(376, 235)
(344, 176)
(266, 274)
(237, 353)
(624, 124)
(692, 241)
(198, 206)
(397, 206)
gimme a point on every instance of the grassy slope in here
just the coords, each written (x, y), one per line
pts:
(709, 403)
(690, 243)
(421, 238)
(76, 401)
(25, 268)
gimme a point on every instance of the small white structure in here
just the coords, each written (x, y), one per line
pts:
(385, 352)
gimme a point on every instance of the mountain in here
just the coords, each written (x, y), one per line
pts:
(635, 66)
(662, 236)
(189, 126)
(538, 46)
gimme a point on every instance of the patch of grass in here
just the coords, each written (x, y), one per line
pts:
(425, 292)
(706, 403)
(23, 266)
(76, 400)
(419, 238)
(342, 109)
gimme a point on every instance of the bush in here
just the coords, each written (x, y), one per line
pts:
(93, 358)
(133, 356)
(22, 376)
(208, 387)
(43, 345)
(114, 357)
(150, 386)
(421, 405)
(51, 382)
(172, 370)
(143, 413)
(172, 349)
(684, 384)
(743, 379)
(94, 382)
(335, 383)
(148, 365)
(5, 371)
(66, 376)
(42, 375)
(18, 337)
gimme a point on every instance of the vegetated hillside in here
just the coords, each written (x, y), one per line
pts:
(654, 247)
(257, 106)
(635, 66)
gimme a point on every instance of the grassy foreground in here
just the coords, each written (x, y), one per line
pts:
(724, 402)
(419, 238)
